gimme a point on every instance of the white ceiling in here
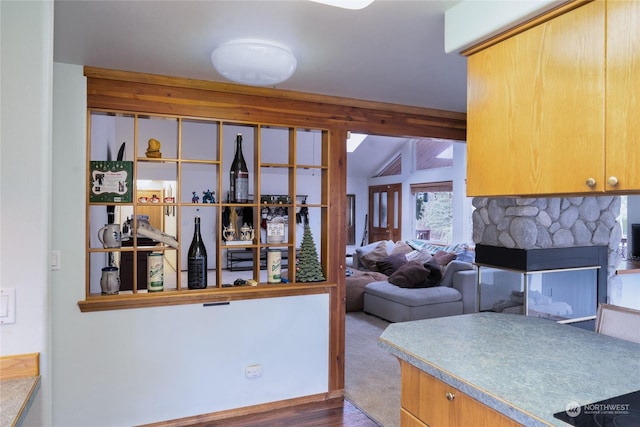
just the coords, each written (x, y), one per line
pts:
(391, 51)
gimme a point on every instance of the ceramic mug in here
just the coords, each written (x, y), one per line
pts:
(110, 281)
(109, 236)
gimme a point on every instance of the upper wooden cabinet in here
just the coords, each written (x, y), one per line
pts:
(551, 110)
(623, 95)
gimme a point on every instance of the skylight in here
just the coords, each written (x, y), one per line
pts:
(354, 140)
(346, 4)
(447, 153)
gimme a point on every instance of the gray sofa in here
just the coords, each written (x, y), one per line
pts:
(455, 294)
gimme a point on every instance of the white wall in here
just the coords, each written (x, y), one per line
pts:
(26, 34)
(139, 366)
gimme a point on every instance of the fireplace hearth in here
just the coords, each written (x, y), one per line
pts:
(562, 284)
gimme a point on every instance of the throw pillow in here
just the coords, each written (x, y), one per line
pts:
(435, 272)
(443, 258)
(391, 264)
(413, 274)
(417, 244)
(421, 255)
(401, 248)
(379, 253)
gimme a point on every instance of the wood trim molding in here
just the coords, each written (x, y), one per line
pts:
(205, 296)
(126, 91)
(19, 366)
(256, 409)
(546, 16)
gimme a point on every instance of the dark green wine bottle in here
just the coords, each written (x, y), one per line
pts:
(239, 174)
(197, 260)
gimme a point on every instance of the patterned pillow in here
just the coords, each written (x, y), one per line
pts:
(417, 244)
(421, 255)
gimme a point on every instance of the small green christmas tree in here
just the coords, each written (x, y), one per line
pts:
(309, 268)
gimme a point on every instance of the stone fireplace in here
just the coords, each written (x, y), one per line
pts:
(515, 224)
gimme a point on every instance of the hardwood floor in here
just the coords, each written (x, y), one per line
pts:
(330, 413)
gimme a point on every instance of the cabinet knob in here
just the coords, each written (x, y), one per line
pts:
(450, 396)
(612, 181)
(591, 182)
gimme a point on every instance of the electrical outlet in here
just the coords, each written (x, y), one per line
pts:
(253, 371)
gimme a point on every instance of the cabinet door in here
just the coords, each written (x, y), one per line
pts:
(437, 404)
(535, 109)
(623, 95)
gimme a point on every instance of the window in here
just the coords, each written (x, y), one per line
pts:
(434, 211)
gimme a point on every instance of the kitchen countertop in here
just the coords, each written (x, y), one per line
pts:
(15, 399)
(523, 367)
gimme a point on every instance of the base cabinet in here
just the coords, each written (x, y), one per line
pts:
(427, 401)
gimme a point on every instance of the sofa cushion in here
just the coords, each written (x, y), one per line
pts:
(413, 297)
(422, 255)
(378, 254)
(391, 264)
(365, 250)
(443, 258)
(451, 268)
(355, 287)
(401, 248)
(415, 274)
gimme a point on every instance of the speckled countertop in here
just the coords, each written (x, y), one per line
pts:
(524, 367)
(15, 398)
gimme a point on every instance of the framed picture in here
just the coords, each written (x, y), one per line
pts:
(111, 181)
(275, 230)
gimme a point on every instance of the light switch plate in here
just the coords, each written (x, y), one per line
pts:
(55, 260)
(7, 306)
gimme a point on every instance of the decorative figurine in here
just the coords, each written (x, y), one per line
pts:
(153, 149)
(229, 233)
(246, 233)
(195, 197)
(208, 197)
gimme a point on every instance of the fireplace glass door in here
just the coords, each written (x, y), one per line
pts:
(562, 295)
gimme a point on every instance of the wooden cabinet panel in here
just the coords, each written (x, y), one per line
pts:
(439, 405)
(408, 420)
(623, 95)
(535, 109)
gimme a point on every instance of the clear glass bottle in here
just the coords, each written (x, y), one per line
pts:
(239, 174)
(197, 260)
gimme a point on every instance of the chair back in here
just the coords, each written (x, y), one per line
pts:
(618, 322)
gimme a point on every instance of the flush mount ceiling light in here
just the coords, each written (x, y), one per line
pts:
(346, 4)
(254, 62)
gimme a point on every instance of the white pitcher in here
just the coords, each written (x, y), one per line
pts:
(109, 236)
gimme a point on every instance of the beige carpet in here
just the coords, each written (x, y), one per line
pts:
(372, 375)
